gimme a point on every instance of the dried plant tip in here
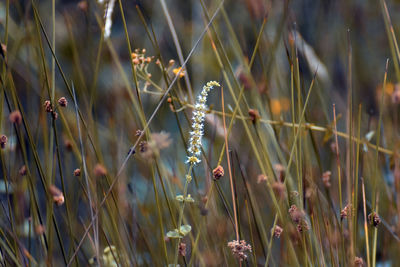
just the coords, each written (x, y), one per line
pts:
(326, 179)
(57, 195)
(261, 178)
(254, 115)
(278, 231)
(218, 172)
(239, 249)
(63, 102)
(171, 62)
(77, 172)
(346, 212)
(99, 170)
(358, 262)
(22, 171)
(15, 117)
(374, 219)
(3, 141)
(182, 249)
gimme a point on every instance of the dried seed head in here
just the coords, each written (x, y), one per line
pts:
(15, 117)
(83, 5)
(3, 141)
(68, 144)
(279, 189)
(374, 219)
(63, 102)
(261, 178)
(47, 106)
(39, 229)
(143, 146)
(138, 132)
(218, 172)
(396, 94)
(326, 179)
(182, 249)
(54, 115)
(239, 249)
(99, 170)
(77, 172)
(278, 231)
(358, 262)
(346, 212)
(57, 195)
(22, 171)
(254, 115)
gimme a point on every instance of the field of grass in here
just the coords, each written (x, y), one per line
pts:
(199, 133)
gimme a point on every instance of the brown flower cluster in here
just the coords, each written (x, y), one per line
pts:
(218, 172)
(239, 249)
(298, 217)
(374, 219)
(346, 212)
(278, 231)
(326, 179)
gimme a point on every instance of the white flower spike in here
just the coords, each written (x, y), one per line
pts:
(198, 123)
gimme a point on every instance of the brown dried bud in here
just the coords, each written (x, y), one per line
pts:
(254, 115)
(22, 171)
(15, 117)
(77, 172)
(99, 170)
(218, 172)
(63, 102)
(3, 141)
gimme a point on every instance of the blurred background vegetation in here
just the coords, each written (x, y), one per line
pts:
(95, 128)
